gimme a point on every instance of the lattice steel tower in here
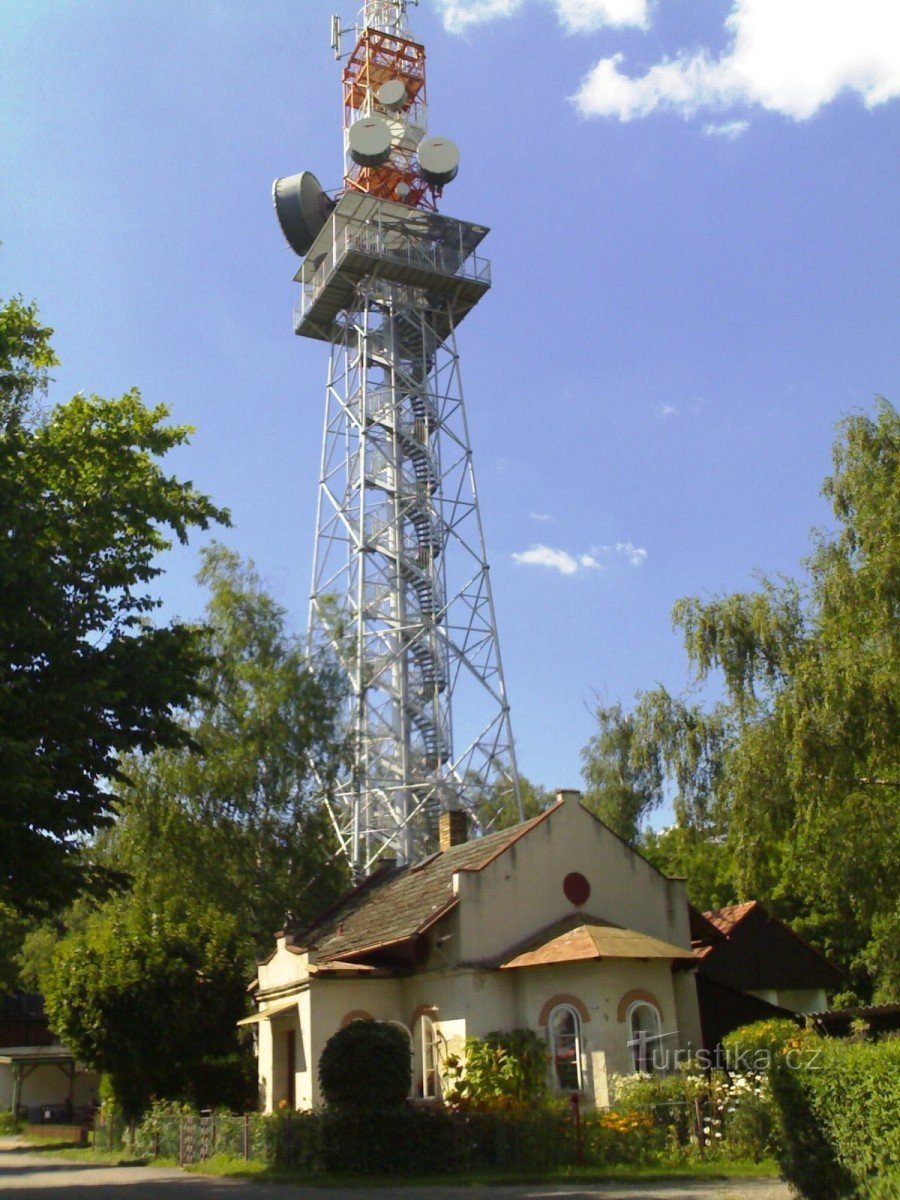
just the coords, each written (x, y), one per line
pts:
(401, 593)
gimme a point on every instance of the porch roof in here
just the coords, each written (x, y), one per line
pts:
(279, 1006)
(589, 939)
(36, 1056)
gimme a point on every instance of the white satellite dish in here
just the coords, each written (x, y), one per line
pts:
(369, 139)
(392, 94)
(438, 160)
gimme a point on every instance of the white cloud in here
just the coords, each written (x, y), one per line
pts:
(458, 14)
(731, 130)
(788, 56)
(577, 16)
(666, 410)
(546, 556)
(636, 555)
(569, 564)
(536, 516)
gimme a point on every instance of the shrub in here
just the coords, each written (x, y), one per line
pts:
(9, 1122)
(500, 1070)
(366, 1065)
(698, 1111)
(755, 1048)
(840, 1119)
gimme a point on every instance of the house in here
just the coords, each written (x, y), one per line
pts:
(555, 925)
(39, 1078)
(754, 967)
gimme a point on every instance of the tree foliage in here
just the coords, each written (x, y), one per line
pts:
(623, 784)
(235, 809)
(85, 677)
(793, 779)
(149, 991)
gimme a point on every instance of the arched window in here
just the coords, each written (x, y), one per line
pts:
(645, 1037)
(564, 1036)
(426, 1079)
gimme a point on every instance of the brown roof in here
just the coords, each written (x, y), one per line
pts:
(393, 907)
(760, 951)
(726, 918)
(592, 939)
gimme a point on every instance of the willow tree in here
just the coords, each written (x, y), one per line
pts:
(793, 780)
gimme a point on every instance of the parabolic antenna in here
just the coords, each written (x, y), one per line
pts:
(302, 209)
(392, 94)
(438, 160)
(370, 141)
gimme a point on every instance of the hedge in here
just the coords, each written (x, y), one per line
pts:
(840, 1120)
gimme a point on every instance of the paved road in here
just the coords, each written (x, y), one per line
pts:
(36, 1177)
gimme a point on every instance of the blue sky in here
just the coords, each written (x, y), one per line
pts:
(695, 254)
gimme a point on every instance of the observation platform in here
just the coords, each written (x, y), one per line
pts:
(366, 237)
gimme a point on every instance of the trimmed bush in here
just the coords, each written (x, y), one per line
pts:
(840, 1119)
(367, 1065)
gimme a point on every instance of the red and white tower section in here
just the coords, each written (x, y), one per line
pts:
(401, 595)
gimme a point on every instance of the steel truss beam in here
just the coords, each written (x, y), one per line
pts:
(401, 593)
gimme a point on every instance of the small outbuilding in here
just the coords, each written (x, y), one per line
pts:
(754, 967)
(555, 925)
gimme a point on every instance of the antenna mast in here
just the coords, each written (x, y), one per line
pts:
(401, 596)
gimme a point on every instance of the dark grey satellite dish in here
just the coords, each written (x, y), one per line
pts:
(438, 160)
(302, 209)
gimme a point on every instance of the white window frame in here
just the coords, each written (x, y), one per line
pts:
(641, 1051)
(426, 1083)
(578, 1047)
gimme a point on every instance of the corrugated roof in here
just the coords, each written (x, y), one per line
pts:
(591, 940)
(391, 908)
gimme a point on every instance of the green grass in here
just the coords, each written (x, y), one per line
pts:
(70, 1152)
(228, 1166)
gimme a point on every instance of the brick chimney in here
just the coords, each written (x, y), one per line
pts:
(453, 828)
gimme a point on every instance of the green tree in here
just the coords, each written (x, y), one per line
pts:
(794, 777)
(623, 784)
(149, 991)
(495, 807)
(235, 808)
(85, 677)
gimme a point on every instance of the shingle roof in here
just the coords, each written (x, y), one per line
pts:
(399, 903)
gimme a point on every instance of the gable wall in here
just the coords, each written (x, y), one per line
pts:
(521, 891)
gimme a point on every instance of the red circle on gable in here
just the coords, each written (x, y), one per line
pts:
(577, 888)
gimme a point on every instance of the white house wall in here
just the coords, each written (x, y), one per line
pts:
(47, 1084)
(521, 891)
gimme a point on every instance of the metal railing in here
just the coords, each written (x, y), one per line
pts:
(393, 245)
